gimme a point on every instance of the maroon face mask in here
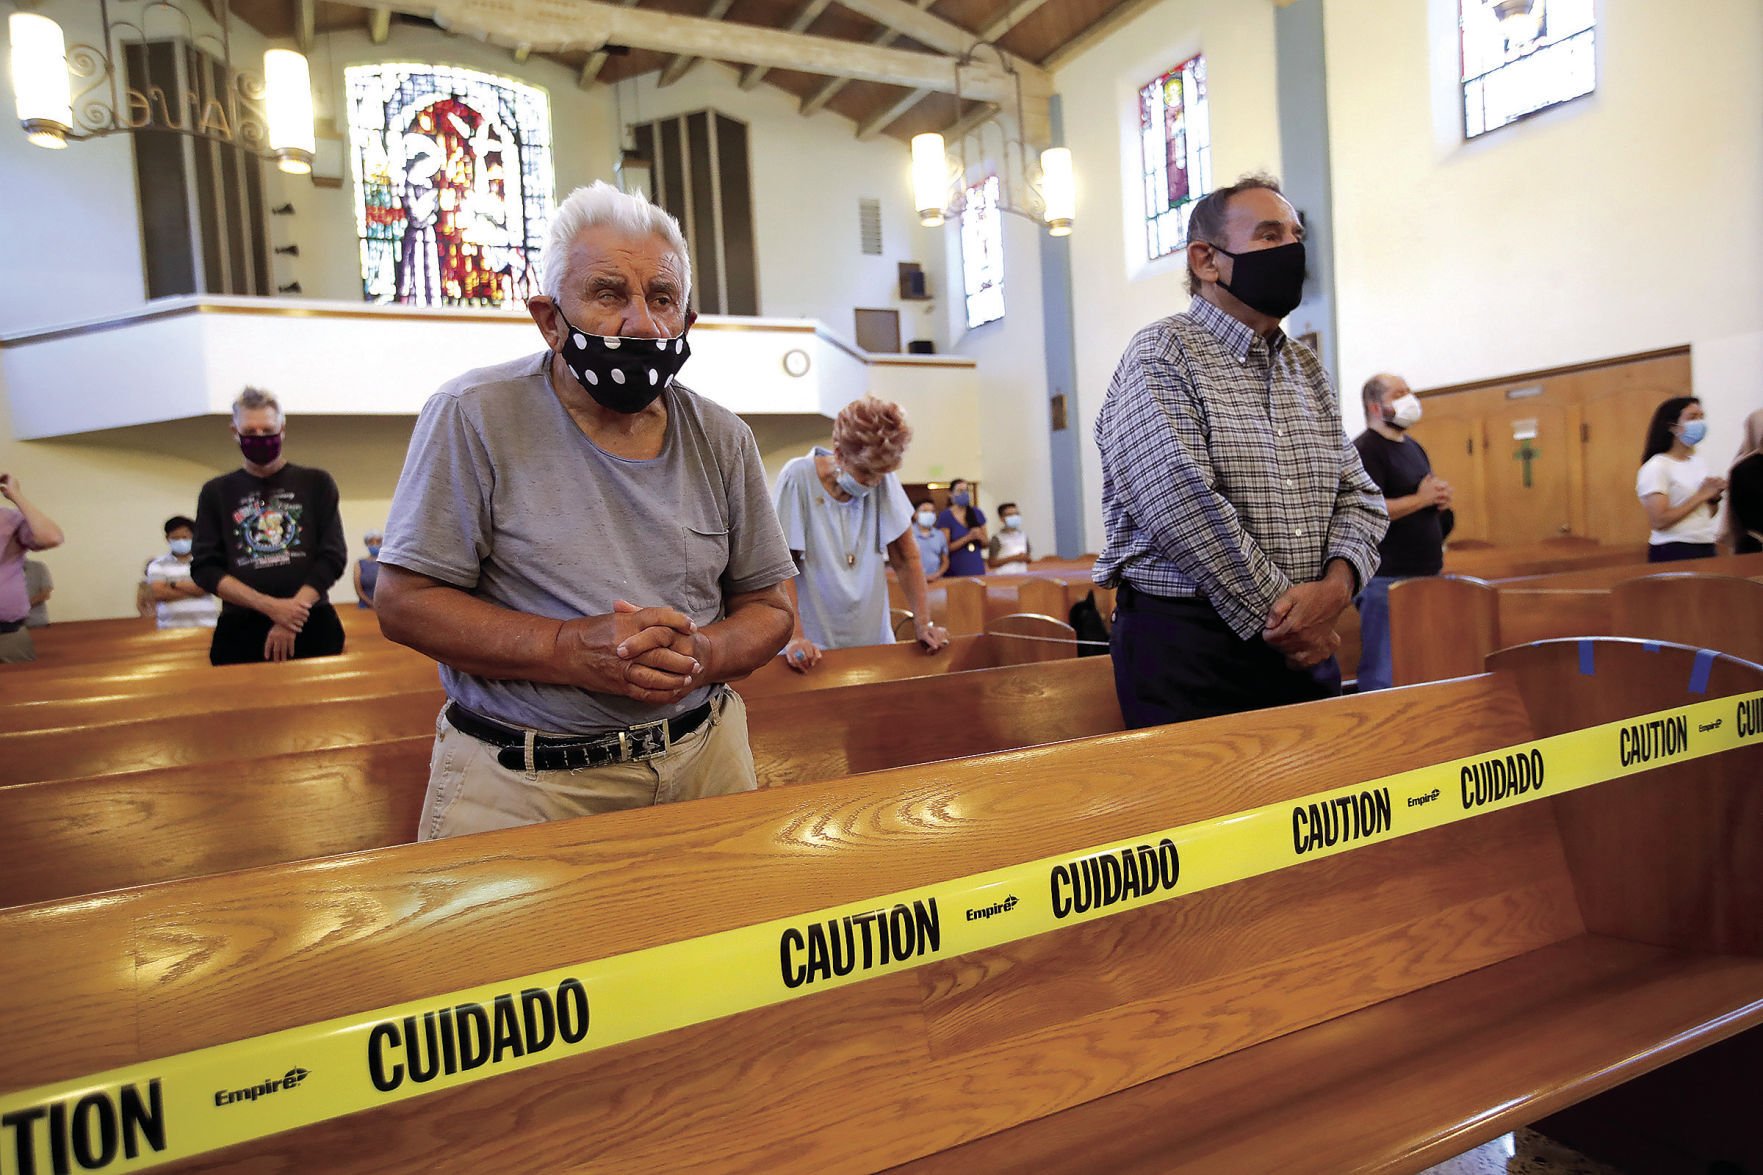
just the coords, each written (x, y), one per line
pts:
(261, 450)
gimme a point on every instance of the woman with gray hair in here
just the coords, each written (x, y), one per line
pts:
(846, 519)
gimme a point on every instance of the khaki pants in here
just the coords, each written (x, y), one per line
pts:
(17, 647)
(469, 791)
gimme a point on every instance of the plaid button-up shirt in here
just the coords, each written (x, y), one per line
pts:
(1225, 473)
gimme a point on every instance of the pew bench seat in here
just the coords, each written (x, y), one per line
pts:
(1404, 1084)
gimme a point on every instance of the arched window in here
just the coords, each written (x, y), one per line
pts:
(982, 252)
(1177, 146)
(453, 182)
(1521, 57)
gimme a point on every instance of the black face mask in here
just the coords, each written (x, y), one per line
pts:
(622, 374)
(1268, 280)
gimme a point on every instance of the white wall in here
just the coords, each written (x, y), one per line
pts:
(1012, 460)
(1115, 291)
(1625, 221)
(808, 174)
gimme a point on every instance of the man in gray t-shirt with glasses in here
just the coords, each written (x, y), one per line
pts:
(587, 548)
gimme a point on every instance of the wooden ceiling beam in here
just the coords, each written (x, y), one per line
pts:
(1021, 12)
(591, 25)
(971, 121)
(883, 37)
(1114, 19)
(596, 61)
(682, 63)
(880, 121)
(943, 36)
(379, 25)
(305, 24)
(805, 16)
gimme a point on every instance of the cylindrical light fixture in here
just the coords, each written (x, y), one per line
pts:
(39, 79)
(930, 178)
(287, 86)
(1058, 192)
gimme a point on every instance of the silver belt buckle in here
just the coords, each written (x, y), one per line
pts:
(626, 751)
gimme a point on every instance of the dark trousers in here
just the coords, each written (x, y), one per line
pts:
(1675, 552)
(239, 635)
(1177, 659)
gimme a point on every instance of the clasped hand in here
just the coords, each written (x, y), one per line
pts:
(653, 655)
(1301, 622)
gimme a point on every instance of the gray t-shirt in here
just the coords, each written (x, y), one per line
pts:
(843, 588)
(503, 496)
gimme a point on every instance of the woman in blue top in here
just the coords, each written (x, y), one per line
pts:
(367, 571)
(965, 524)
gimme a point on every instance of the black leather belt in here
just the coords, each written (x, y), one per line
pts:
(11, 625)
(636, 744)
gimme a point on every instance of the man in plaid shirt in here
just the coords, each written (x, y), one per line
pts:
(1241, 523)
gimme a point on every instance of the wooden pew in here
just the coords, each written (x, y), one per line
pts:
(85, 642)
(1377, 1010)
(242, 733)
(69, 836)
(1720, 612)
(1544, 558)
(1576, 602)
(150, 678)
(1440, 626)
(886, 663)
(211, 688)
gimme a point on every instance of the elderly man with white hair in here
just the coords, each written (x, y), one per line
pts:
(587, 548)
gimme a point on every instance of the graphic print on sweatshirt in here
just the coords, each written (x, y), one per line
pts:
(266, 530)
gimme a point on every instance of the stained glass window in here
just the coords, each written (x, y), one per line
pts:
(1177, 145)
(982, 252)
(1522, 57)
(454, 183)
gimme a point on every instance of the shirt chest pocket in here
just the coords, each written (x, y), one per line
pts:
(705, 558)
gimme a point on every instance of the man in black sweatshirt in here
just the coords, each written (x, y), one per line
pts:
(270, 544)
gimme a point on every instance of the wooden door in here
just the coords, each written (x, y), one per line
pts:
(1456, 446)
(1614, 432)
(1529, 447)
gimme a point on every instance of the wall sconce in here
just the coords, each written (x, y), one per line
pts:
(272, 117)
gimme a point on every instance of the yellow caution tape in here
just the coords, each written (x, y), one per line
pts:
(155, 1112)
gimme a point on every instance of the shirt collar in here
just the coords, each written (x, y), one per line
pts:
(1236, 336)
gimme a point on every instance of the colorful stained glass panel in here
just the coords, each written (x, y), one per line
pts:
(453, 174)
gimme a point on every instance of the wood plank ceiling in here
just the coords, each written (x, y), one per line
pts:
(1010, 42)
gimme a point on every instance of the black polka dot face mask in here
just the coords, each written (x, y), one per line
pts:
(622, 374)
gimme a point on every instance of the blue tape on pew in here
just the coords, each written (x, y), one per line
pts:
(1700, 670)
(1586, 665)
(1651, 646)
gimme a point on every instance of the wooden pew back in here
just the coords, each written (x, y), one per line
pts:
(1441, 626)
(911, 1062)
(69, 836)
(1705, 611)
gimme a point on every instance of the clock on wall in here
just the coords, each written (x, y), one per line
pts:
(796, 362)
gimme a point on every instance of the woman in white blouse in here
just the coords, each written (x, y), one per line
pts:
(1680, 498)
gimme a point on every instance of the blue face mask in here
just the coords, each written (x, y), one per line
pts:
(180, 546)
(960, 499)
(373, 550)
(1693, 433)
(851, 485)
(1014, 522)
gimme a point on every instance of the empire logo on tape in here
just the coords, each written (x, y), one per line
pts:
(200, 1101)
